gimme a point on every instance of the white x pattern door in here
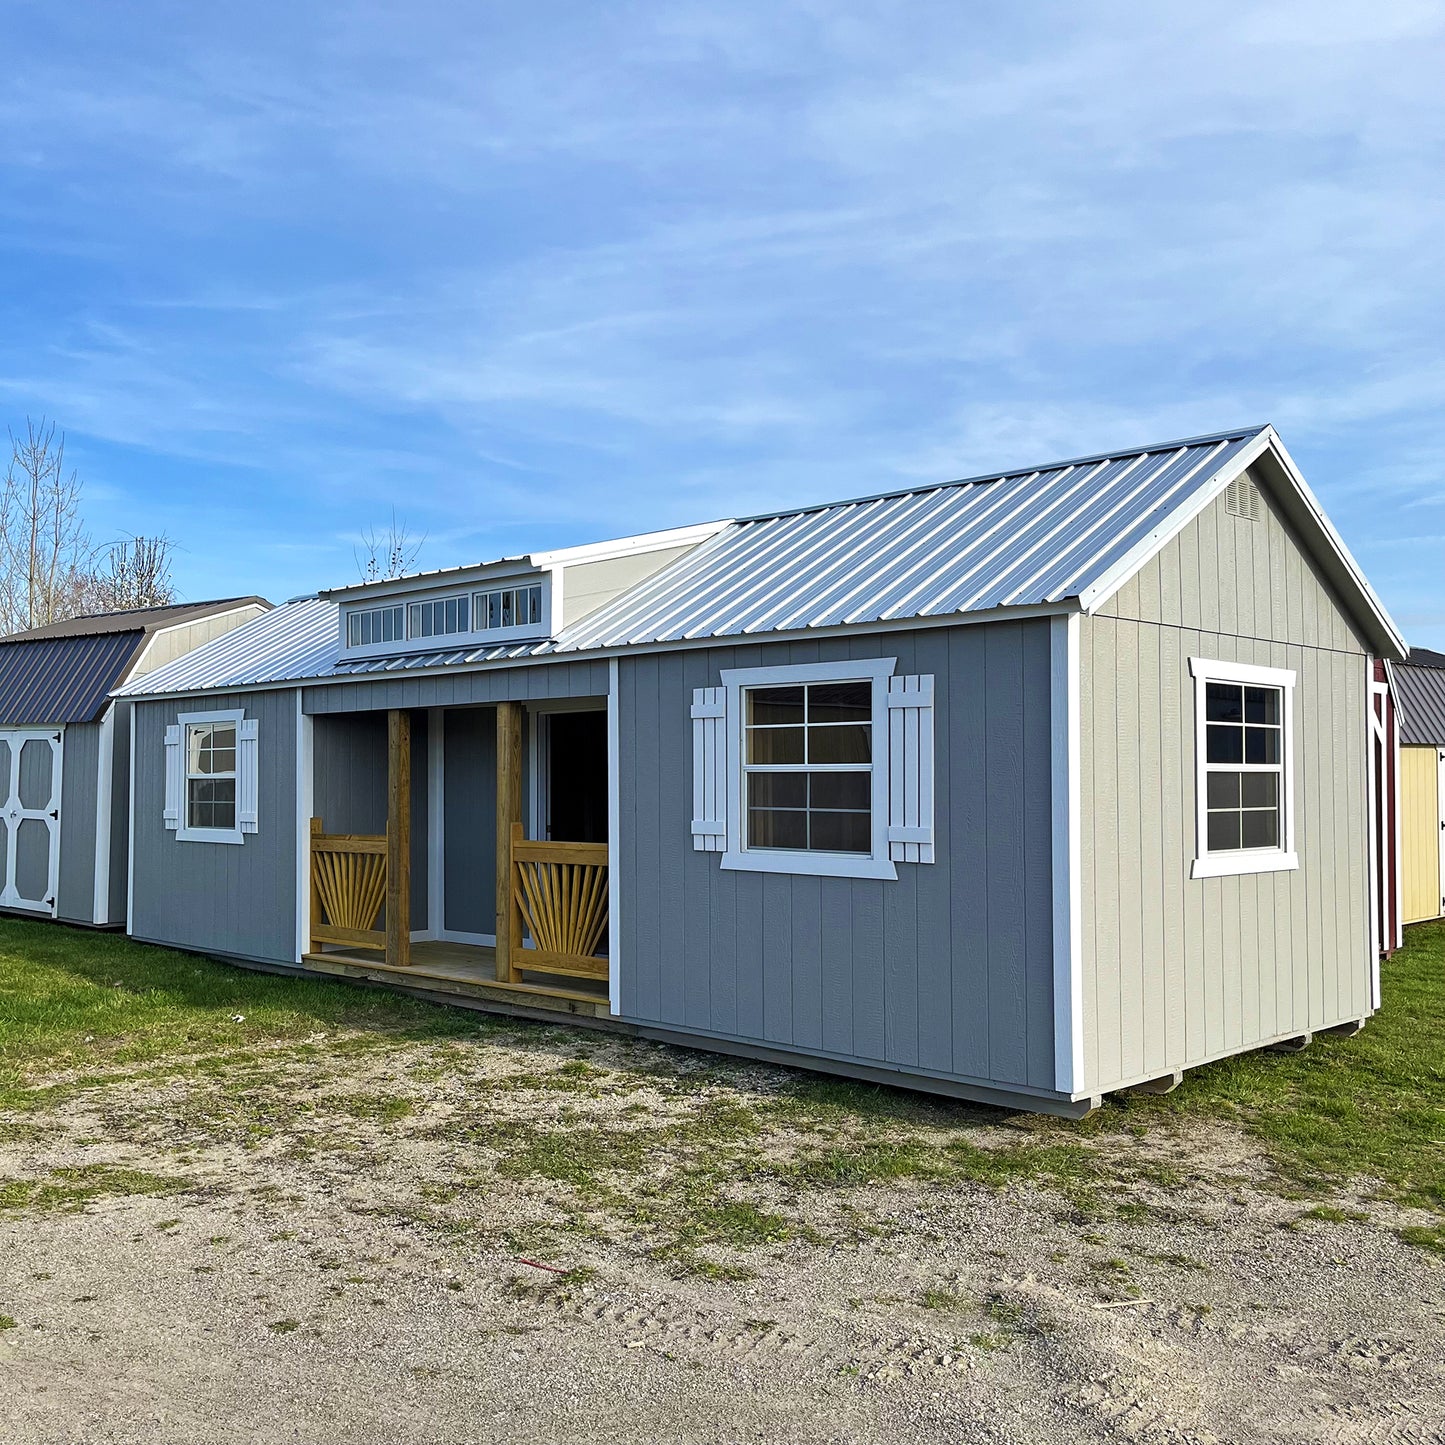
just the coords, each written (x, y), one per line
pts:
(30, 817)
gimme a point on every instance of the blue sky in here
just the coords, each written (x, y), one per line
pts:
(541, 274)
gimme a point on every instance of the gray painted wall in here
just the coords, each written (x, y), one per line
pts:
(120, 813)
(349, 787)
(512, 684)
(1177, 970)
(948, 969)
(219, 897)
(470, 811)
(75, 898)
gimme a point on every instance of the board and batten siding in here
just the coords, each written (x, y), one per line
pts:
(1178, 971)
(225, 898)
(946, 971)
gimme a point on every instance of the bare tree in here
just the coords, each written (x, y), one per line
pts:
(45, 554)
(387, 554)
(135, 572)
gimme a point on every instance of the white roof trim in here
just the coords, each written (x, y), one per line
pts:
(1368, 606)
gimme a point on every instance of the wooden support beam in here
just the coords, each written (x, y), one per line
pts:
(398, 838)
(509, 811)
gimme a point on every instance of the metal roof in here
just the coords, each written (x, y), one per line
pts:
(1420, 693)
(62, 679)
(1064, 533)
(1020, 538)
(135, 619)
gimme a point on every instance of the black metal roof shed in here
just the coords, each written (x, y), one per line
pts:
(64, 671)
(1420, 684)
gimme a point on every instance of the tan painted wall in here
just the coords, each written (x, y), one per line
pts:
(175, 642)
(1178, 971)
(587, 585)
(1420, 821)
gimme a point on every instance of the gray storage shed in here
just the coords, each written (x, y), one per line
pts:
(65, 750)
(1023, 788)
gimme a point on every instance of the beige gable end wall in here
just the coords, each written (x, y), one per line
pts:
(1178, 971)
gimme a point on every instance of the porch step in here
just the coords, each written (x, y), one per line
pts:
(454, 980)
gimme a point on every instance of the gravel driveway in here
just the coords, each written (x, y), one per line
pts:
(544, 1236)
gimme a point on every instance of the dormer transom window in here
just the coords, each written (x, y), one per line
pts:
(505, 607)
(369, 625)
(516, 608)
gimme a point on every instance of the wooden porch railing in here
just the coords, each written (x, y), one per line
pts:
(348, 888)
(560, 892)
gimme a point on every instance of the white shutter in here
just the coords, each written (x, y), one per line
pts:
(246, 782)
(709, 769)
(175, 775)
(910, 769)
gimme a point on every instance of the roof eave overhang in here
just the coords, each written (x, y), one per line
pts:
(1300, 505)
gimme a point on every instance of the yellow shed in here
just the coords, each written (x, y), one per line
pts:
(1420, 694)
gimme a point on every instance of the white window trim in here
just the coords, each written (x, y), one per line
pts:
(184, 832)
(877, 864)
(1283, 859)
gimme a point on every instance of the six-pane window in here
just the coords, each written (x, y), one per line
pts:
(211, 775)
(1244, 766)
(808, 767)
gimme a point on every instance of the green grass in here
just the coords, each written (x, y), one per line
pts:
(69, 996)
(1372, 1105)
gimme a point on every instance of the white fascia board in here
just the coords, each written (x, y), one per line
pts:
(1094, 596)
(629, 546)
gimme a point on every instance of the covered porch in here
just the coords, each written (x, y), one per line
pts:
(465, 887)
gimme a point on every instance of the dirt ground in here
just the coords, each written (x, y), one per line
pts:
(543, 1236)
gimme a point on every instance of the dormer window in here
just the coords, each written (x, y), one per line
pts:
(366, 627)
(440, 618)
(520, 607)
(505, 607)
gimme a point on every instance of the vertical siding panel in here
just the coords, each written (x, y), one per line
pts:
(868, 1006)
(1037, 912)
(1008, 1019)
(932, 882)
(807, 942)
(1225, 535)
(1175, 846)
(1199, 957)
(775, 946)
(674, 836)
(1130, 853)
(965, 744)
(1108, 900)
(836, 898)
(1169, 570)
(1154, 994)
(1208, 598)
(1089, 803)
(644, 813)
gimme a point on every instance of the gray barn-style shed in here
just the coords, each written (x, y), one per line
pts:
(1024, 788)
(65, 750)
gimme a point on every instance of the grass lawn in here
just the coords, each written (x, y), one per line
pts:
(1372, 1106)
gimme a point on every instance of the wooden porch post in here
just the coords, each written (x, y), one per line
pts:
(398, 837)
(509, 811)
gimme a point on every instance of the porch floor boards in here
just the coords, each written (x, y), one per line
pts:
(467, 970)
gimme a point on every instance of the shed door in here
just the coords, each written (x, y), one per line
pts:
(30, 818)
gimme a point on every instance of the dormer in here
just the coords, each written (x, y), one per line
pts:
(465, 607)
(518, 599)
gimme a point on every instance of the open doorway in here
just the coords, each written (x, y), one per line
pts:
(575, 795)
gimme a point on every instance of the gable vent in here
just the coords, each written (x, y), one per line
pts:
(1242, 499)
